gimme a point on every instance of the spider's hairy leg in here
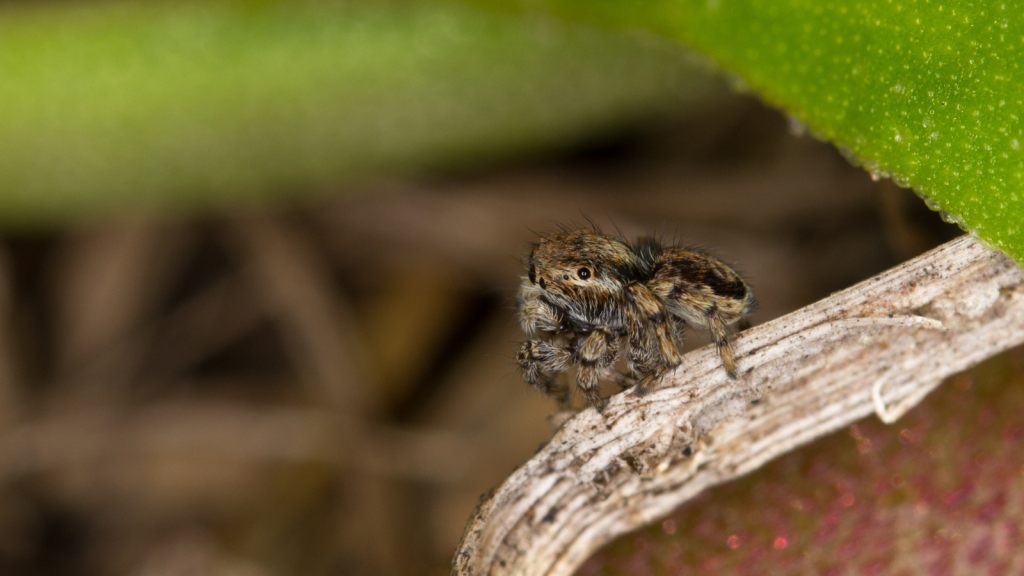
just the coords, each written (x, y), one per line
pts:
(596, 353)
(644, 363)
(716, 326)
(607, 363)
(539, 360)
(654, 312)
(704, 313)
(647, 383)
(642, 356)
(537, 315)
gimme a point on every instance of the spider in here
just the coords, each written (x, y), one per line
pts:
(588, 299)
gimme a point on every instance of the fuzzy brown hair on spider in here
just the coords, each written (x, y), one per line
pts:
(588, 299)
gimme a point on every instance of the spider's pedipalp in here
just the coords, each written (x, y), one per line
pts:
(536, 315)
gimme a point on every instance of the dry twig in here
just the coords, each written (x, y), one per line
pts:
(318, 326)
(880, 346)
(225, 432)
(10, 384)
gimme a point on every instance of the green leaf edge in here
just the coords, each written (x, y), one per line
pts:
(936, 87)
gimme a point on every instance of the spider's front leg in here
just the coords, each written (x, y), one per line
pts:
(651, 310)
(539, 361)
(596, 353)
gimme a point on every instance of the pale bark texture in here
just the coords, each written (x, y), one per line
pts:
(879, 346)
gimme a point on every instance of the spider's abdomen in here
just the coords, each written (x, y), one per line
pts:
(692, 283)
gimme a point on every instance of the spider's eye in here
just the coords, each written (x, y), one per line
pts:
(583, 273)
(533, 274)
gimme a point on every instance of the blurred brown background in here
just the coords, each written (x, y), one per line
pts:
(329, 390)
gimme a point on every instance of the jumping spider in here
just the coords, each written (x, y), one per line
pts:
(588, 299)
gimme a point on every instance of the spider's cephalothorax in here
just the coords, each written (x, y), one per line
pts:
(588, 297)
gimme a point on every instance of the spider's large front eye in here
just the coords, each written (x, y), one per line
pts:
(533, 274)
(583, 273)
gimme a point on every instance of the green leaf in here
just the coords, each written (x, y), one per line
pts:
(930, 93)
(199, 105)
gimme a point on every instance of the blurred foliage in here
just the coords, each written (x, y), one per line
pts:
(113, 105)
(201, 104)
(928, 93)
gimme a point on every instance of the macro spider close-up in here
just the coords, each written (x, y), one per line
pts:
(589, 298)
